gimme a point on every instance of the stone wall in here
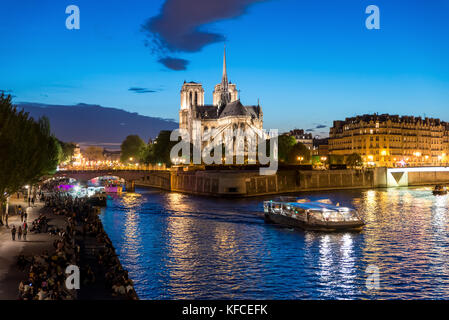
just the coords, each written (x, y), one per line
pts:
(251, 183)
(157, 179)
(336, 179)
(423, 178)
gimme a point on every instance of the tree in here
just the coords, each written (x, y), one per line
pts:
(354, 160)
(299, 150)
(28, 149)
(162, 147)
(67, 149)
(285, 144)
(133, 149)
(94, 153)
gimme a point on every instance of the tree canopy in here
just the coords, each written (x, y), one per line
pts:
(133, 149)
(299, 150)
(28, 149)
(354, 160)
(67, 149)
(159, 152)
(285, 145)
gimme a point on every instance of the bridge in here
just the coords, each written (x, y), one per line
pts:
(159, 178)
(231, 182)
(412, 176)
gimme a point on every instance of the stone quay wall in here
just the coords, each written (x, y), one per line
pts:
(426, 178)
(242, 183)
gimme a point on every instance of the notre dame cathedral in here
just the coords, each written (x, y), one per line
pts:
(226, 112)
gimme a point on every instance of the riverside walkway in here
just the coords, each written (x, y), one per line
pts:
(36, 243)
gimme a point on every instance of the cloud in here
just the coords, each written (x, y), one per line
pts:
(180, 25)
(310, 130)
(141, 90)
(174, 63)
(320, 126)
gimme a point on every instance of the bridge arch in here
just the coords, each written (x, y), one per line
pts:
(130, 176)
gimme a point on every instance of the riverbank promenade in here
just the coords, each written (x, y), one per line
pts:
(102, 276)
(36, 243)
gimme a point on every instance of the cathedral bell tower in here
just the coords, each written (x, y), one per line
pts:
(192, 95)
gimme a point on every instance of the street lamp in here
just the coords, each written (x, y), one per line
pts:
(28, 189)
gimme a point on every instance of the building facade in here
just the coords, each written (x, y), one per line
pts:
(392, 140)
(202, 120)
(320, 147)
(303, 137)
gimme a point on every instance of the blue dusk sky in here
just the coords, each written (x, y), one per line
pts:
(308, 62)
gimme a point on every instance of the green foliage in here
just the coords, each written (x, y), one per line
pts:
(354, 160)
(285, 145)
(316, 160)
(133, 149)
(28, 150)
(299, 150)
(159, 152)
(67, 150)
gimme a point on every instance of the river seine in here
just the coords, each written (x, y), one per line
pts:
(178, 246)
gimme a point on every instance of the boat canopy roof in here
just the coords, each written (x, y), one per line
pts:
(315, 205)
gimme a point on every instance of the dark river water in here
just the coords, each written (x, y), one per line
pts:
(178, 246)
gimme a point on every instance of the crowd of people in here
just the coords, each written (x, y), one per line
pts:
(46, 273)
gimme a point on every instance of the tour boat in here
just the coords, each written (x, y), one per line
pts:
(113, 189)
(439, 190)
(312, 215)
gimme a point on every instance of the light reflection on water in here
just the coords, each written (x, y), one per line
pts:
(178, 246)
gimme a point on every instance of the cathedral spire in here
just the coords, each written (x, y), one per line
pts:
(225, 96)
(224, 79)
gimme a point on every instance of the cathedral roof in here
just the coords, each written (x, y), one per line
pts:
(207, 112)
(254, 111)
(234, 108)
